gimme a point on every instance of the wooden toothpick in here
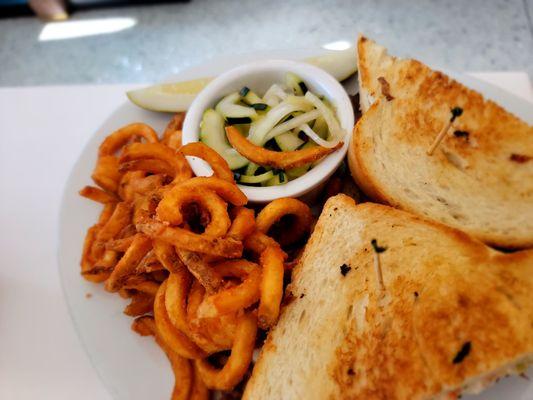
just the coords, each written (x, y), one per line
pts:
(377, 263)
(456, 112)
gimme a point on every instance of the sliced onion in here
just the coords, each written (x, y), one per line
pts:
(260, 128)
(300, 101)
(317, 139)
(274, 95)
(292, 123)
(333, 125)
(228, 108)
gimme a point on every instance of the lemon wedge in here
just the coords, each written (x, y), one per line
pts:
(175, 97)
(169, 97)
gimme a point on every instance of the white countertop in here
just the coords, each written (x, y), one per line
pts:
(43, 131)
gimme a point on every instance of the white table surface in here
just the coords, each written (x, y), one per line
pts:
(43, 130)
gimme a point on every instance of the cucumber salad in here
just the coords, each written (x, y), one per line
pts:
(288, 117)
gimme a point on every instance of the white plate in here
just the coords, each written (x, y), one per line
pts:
(132, 367)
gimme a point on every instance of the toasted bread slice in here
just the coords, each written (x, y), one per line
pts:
(454, 314)
(480, 177)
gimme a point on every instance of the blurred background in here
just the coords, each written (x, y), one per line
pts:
(99, 41)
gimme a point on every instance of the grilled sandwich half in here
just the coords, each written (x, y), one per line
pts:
(480, 176)
(450, 315)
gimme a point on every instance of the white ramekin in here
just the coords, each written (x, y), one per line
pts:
(259, 76)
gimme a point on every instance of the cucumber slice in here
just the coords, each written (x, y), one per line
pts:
(294, 82)
(238, 121)
(298, 171)
(320, 127)
(276, 180)
(259, 106)
(288, 141)
(251, 168)
(229, 109)
(256, 178)
(251, 98)
(213, 134)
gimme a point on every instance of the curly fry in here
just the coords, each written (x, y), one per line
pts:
(144, 286)
(122, 136)
(141, 303)
(169, 208)
(219, 166)
(198, 391)
(238, 362)
(167, 256)
(98, 195)
(243, 223)
(172, 133)
(237, 297)
(276, 159)
(228, 191)
(106, 173)
(127, 264)
(200, 268)
(187, 240)
(140, 151)
(257, 242)
(184, 376)
(106, 213)
(117, 221)
(170, 335)
(271, 286)
(219, 332)
(119, 244)
(178, 285)
(147, 165)
(279, 208)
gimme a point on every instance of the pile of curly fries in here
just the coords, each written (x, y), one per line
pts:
(199, 267)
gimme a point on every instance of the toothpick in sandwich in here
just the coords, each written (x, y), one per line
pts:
(456, 112)
(377, 264)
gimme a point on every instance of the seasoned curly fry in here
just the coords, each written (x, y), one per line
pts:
(275, 210)
(170, 208)
(139, 247)
(167, 256)
(185, 385)
(237, 297)
(243, 223)
(106, 173)
(173, 245)
(276, 159)
(122, 136)
(117, 221)
(238, 362)
(271, 286)
(228, 191)
(151, 166)
(187, 240)
(98, 195)
(172, 133)
(199, 390)
(149, 151)
(170, 335)
(106, 213)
